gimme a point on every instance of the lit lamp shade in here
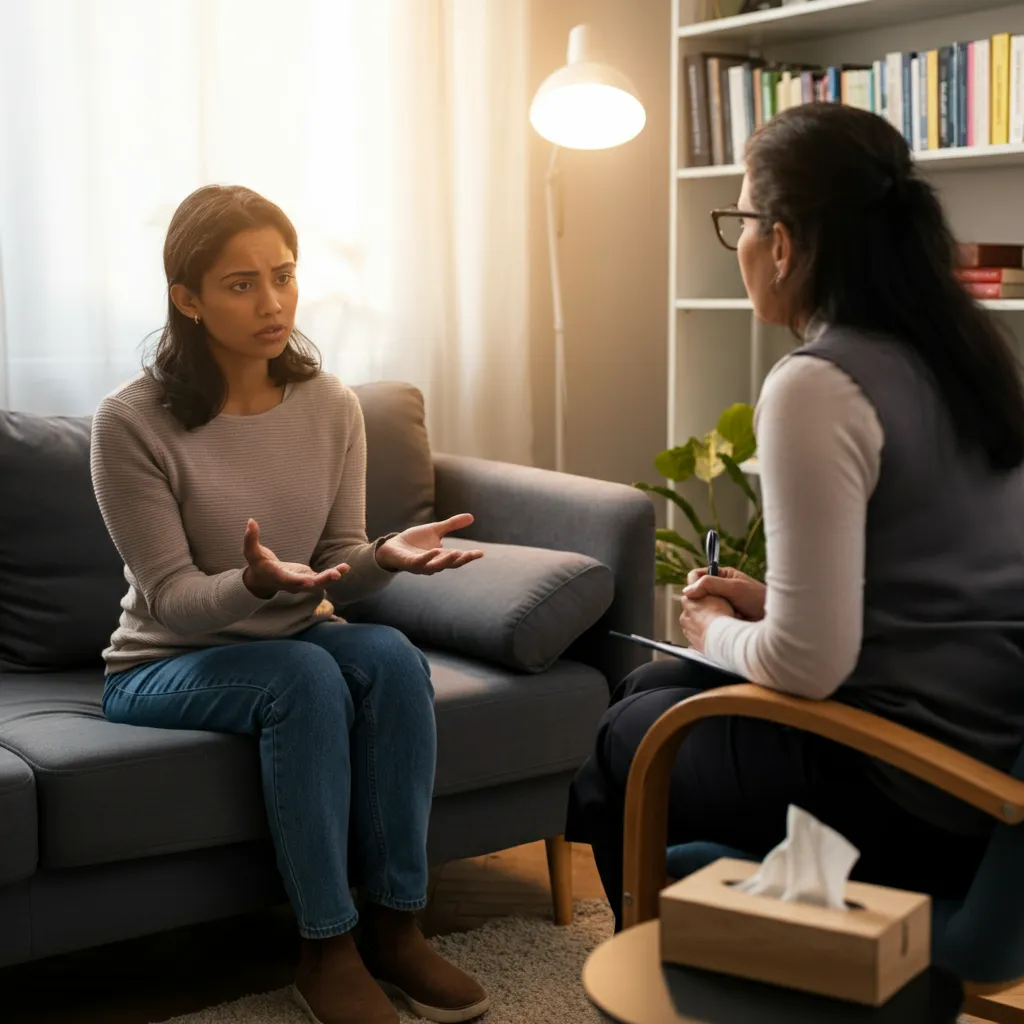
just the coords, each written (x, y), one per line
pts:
(586, 104)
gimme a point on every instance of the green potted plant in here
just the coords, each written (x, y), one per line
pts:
(718, 456)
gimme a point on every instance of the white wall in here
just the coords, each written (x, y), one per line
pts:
(614, 253)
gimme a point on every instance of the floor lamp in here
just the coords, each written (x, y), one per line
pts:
(585, 105)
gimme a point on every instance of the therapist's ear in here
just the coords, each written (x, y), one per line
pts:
(782, 252)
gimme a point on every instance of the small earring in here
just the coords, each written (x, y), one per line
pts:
(777, 280)
(196, 318)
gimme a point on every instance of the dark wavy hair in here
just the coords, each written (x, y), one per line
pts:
(873, 251)
(192, 384)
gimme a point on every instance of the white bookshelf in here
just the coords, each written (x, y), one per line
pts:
(718, 352)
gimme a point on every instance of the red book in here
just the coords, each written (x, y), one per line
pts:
(991, 275)
(994, 291)
(981, 254)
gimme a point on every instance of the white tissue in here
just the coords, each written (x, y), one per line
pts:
(811, 865)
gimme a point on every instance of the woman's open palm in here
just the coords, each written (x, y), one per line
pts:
(420, 549)
(266, 574)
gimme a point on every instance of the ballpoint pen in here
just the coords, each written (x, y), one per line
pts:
(711, 551)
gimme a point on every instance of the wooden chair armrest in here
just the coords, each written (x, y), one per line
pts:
(646, 813)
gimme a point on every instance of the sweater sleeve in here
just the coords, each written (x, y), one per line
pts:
(141, 514)
(344, 536)
(819, 445)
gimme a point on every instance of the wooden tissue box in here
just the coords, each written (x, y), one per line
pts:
(864, 954)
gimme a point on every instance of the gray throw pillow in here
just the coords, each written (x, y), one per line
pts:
(517, 606)
(399, 466)
(61, 578)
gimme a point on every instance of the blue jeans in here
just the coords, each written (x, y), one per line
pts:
(345, 719)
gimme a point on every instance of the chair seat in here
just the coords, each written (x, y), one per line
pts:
(684, 859)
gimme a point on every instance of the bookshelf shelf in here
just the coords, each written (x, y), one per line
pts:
(724, 305)
(693, 305)
(962, 159)
(825, 17)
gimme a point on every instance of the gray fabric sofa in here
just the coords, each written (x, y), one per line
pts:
(111, 831)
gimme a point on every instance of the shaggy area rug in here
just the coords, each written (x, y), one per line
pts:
(531, 969)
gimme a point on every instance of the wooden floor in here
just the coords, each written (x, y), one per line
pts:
(159, 977)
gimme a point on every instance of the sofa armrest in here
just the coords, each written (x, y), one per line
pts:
(644, 852)
(543, 509)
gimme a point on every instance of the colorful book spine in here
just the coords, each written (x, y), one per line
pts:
(933, 99)
(1000, 89)
(915, 125)
(981, 93)
(1017, 90)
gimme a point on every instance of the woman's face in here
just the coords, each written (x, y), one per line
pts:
(247, 299)
(765, 261)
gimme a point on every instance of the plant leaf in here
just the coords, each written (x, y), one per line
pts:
(676, 463)
(708, 463)
(668, 575)
(736, 425)
(672, 537)
(680, 502)
(738, 477)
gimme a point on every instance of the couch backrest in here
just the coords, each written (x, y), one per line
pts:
(61, 578)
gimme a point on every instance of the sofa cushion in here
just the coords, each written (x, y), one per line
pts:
(111, 792)
(521, 607)
(61, 578)
(19, 825)
(399, 468)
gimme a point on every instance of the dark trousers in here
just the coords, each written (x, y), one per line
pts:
(734, 781)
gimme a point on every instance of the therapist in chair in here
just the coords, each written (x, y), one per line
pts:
(891, 442)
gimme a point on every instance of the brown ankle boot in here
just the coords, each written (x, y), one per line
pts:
(409, 968)
(333, 986)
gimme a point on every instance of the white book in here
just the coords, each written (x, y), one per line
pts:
(782, 91)
(865, 90)
(796, 91)
(878, 78)
(981, 92)
(894, 90)
(1017, 90)
(738, 115)
(915, 104)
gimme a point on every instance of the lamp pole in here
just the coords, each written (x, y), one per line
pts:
(561, 395)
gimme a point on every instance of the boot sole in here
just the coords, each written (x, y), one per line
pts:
(437, 1013)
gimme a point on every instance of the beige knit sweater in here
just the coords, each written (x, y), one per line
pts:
(176, 504)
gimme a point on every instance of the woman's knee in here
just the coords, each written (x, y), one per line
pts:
(308, 674)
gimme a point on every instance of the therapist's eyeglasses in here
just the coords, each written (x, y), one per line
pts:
(729, 224)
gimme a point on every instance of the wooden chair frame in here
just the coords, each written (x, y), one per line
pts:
(647, 791)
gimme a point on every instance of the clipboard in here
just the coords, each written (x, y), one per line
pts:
(683, 653)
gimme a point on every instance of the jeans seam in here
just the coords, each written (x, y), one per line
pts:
(371, 786)
(387, 900)
(326, 931)
(280, 828)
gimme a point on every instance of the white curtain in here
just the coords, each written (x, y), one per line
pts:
(392, 132)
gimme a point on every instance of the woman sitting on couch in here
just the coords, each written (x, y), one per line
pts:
(891, 447)
(231, 476)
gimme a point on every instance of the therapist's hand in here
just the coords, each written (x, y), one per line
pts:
(743, 592)
(698, 614)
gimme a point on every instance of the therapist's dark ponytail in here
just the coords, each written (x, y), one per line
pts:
(874, 251)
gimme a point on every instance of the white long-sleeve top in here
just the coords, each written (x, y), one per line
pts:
(820, 447)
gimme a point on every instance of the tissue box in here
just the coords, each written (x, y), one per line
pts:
(864, 954)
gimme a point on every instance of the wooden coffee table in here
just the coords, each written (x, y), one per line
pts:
(626, 979)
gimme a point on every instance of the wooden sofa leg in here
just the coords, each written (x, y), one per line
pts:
(560, 872)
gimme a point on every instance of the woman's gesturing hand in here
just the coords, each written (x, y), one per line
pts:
(420, 549)
(744, 593)
(266, 574)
